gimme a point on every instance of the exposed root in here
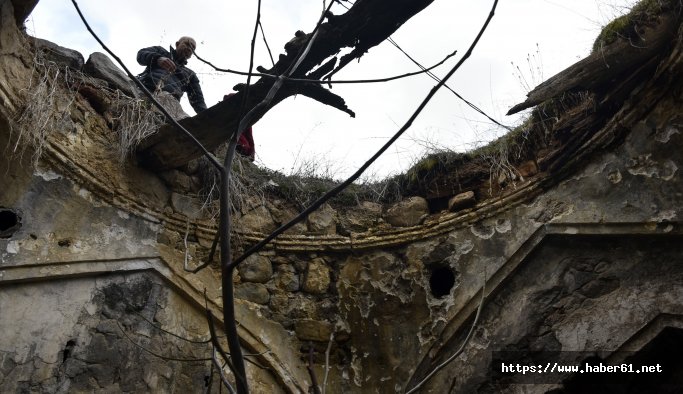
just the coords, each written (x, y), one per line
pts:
(46, 109)
(136, 121)
(245, 189)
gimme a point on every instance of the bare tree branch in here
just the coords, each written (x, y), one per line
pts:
(214, 340)
(266, 93)
(324, 198)
(202, 341)
(227, 269)
(322, 95)
(209, 384)
(434, 77)
(227, 266)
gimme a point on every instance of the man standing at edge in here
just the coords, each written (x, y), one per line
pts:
(166, 71)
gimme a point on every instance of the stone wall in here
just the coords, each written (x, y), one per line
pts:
(580, 255)
(108, 333)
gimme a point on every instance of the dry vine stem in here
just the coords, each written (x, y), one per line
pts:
(227, 265)
(186, 260)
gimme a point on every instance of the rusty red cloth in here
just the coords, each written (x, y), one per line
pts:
(245, 145)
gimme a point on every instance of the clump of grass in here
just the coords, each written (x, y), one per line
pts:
(314, 177)
(252, 185)
(534, 63)
(501, 155)
(496, 161)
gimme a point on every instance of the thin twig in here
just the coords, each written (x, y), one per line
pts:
(327, 361)
(245, 121)
(331, 81)
(212, 334)
(303, 50)
(263, 34)
(187, 252)
(209, 259)
(245, 97)
(256, 363)
(227, 266)
(209, 384)
(226, 356)
(225, 225)
(435, 78)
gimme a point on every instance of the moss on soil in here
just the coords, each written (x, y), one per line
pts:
(644, 12)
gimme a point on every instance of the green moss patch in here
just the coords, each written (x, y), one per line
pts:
(625, 26)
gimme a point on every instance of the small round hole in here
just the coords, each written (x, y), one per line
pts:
(441, 281)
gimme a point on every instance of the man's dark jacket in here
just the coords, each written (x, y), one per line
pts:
(176, 83)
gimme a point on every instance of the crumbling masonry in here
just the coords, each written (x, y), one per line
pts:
(576, 246)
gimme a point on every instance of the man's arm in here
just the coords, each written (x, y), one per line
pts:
(195, 95)
(149, 56)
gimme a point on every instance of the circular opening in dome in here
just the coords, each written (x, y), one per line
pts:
(441, 281)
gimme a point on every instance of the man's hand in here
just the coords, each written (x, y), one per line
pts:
(166, 63)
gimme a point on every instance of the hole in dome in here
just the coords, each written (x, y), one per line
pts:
(441, 281)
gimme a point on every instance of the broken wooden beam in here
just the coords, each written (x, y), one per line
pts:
(606, 66)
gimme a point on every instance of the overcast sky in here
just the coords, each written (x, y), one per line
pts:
(541, 37)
